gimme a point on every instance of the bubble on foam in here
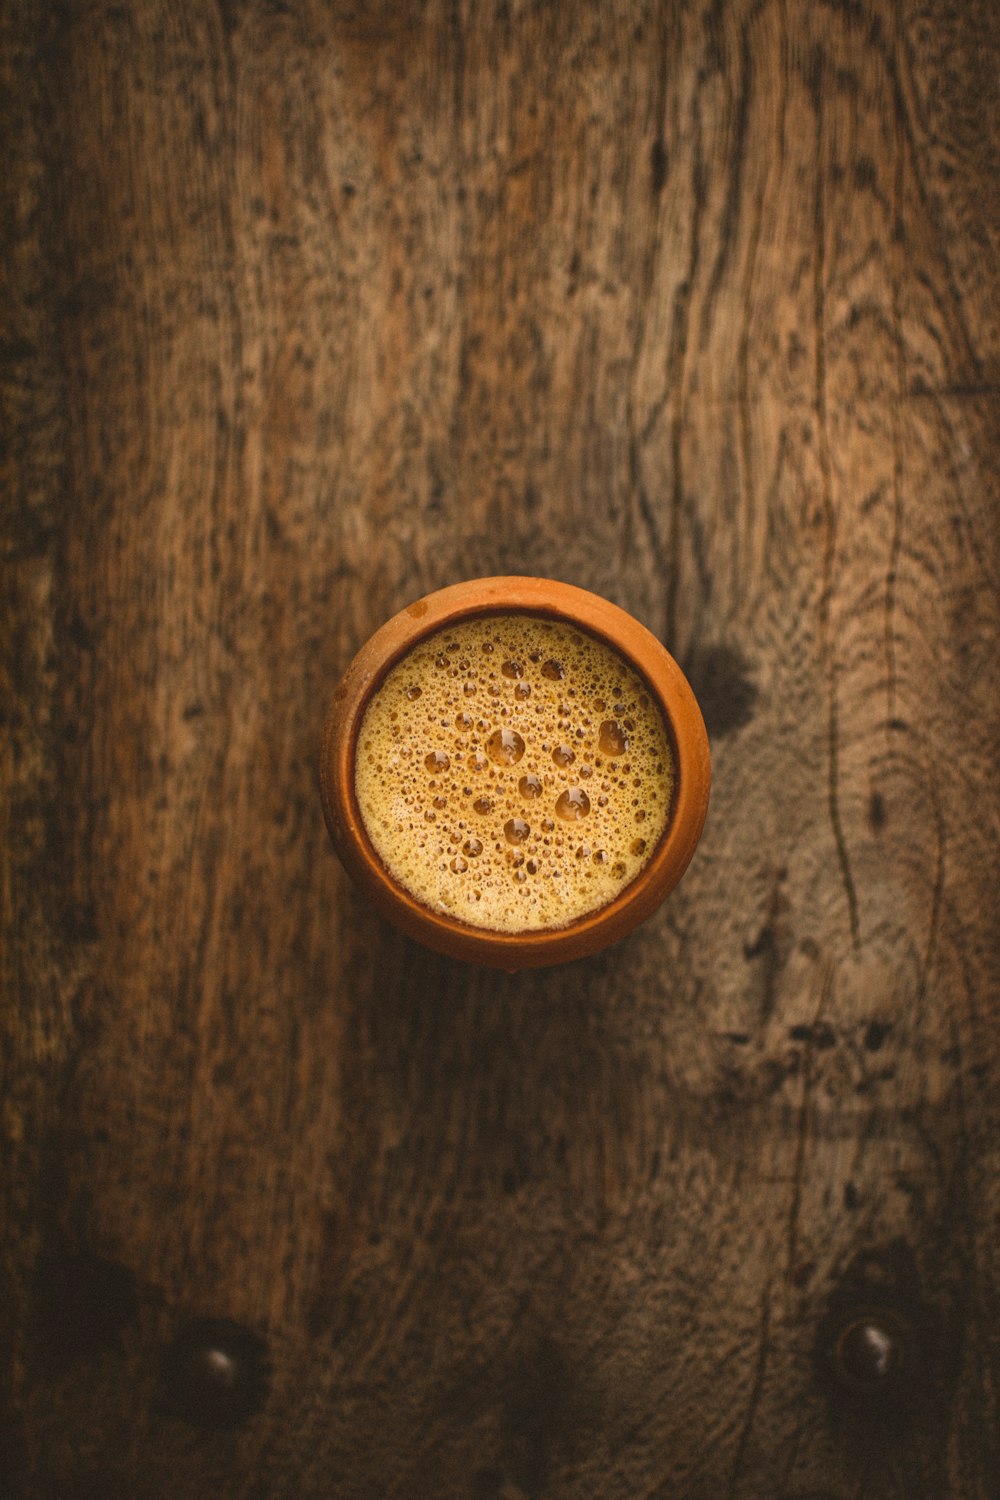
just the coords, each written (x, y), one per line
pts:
(472, 868)
(612, 738)
(505, 746)
(573, 804)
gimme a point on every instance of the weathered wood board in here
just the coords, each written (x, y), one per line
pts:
(310, 309)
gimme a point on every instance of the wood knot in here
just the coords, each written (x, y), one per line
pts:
(723, 684)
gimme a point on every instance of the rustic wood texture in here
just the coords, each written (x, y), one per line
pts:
(312, 309)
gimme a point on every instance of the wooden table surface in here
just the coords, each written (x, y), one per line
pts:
(309, 309)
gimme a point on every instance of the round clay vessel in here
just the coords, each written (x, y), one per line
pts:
(590, 615)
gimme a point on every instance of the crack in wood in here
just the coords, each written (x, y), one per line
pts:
(637, 488)
(830, 516)
(937, 889)
(803, 1129)
(895, 544)
(678, 369)
(756, 1391)
(734, 189)
(753, 560)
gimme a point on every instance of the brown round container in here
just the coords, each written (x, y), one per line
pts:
(641, 651)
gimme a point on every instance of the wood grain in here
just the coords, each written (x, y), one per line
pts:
(310, 310)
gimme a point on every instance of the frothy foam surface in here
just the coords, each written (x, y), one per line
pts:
(513, 773)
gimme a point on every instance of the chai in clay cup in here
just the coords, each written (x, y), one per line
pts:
(594, 636)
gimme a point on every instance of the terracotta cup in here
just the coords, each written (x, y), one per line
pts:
(640, 650)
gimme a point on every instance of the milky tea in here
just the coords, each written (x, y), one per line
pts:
(513, 773)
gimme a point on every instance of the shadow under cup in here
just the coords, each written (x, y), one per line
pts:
(515, 771)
